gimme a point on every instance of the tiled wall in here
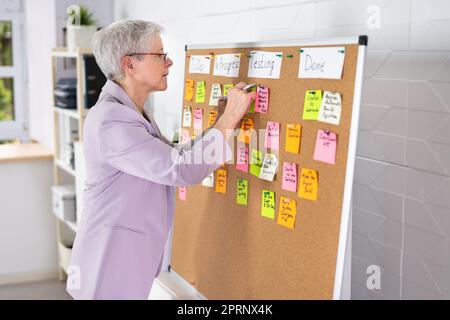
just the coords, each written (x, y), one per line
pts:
(401, 213)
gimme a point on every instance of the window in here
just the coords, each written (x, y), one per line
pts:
(12, 88)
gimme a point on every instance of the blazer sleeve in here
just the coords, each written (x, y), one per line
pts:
(128, 146)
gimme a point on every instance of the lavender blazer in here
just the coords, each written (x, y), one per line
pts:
(129, 198)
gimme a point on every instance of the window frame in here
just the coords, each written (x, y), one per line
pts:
(18, 128)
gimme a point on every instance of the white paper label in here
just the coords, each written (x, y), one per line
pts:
(330, 109)
(324, 63)
(264, 64)
(199, 64)
(227, 65)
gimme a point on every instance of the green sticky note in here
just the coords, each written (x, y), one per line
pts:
(227, 87)
(255, 162)
(242, 191)
(268, 204)
(311, 107)
(200, 92)
(252, 105)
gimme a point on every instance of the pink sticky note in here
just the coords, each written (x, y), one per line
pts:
(325, 150)
(198, 119)
(262, 100)
(272, 135)
(242, 157)
(182, 193)
(289, 177)
(185, 136)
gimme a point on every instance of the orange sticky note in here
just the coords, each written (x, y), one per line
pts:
(287, 212)
(212, 118)
(221, 181)
(293, 134)
(309, 185)
(246, 130)
(189, 90)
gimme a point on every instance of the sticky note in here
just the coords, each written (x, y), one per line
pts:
(272, 140)
(289, 177)
(246, 130)
(330, 109)
(187, 117)
(212, 118)
(221, 181)
(255, 162)
(200, 92)
(325, 149)
(313, 100)
(293, 134)
(269, 167)
(185, 137)
(227, 87)
(309, 186)
(242, 157)
(262, 99)
(216, 92)
(252, 104)
(182, 193)
(208, 181)
(198, 119)
(287, 212)
(268, 204)
(189, 90)
(242, 191)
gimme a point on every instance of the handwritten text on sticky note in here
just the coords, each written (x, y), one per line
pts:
(325, 149)
(293, 134)
(272, 135)
(200, 92)
(289, 177)
(216, 92)
(187, 117)
(242, 191)
(309, 185)
(268, 204)
(198, 119)
(255, 162)
(189, 90)
(311, 106)
(287, 212)
(262, 99)
(242, 157)
(269, 167)
(221, 181)
(330, 109)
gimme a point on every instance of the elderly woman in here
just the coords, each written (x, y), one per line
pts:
(132, 169)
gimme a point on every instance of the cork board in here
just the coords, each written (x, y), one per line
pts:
(229, 251)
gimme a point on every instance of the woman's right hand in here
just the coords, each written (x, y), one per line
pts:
(237, 105)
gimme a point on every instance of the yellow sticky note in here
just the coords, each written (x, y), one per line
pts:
(189, 90)
(268, 204)
(200, 92)
(212, 118)
(242, 191)
(246, 130)
(221, 181)
(287, 212)
(309, 185)
(255, 162)
(293, 134)
(227, 87)
(311, 107)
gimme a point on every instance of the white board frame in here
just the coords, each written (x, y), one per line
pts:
(342, 279)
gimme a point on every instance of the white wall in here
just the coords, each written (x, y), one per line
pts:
(44, 21)
(27, 229)
(401, 208)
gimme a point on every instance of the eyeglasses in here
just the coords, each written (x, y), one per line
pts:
(164, 56)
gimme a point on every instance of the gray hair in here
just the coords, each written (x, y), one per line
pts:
(110, 44)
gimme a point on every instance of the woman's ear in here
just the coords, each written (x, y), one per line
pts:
(127, 65)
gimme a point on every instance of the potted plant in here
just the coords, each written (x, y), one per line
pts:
(80, 27)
